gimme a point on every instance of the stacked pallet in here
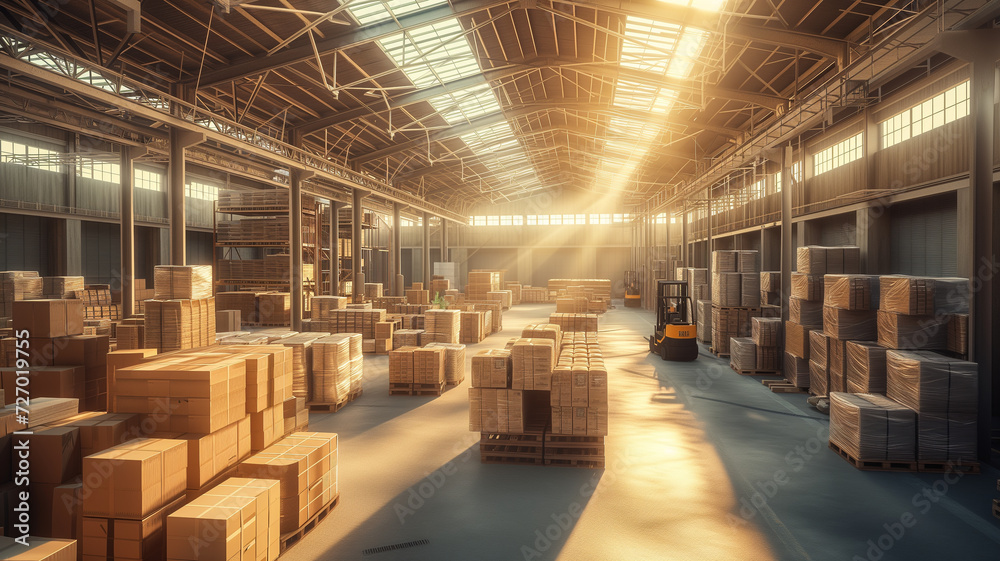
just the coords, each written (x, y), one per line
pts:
(805, 315)
(934, 398)
(184, 282)
(698, 289)
(233, 201)
(599, 288)
(534, 294)
(16, 286)
(572, 305)
(331, 370)
(261, 228)
(850, 302)
(579, 390)
(98, 302)
(575, 322)
(439, 287)
(492, 306)
(481, 283)
(274, 308)
(172, 325)
(515, 291)
(532, 361)
(417, 371)
(917, 313)
(474, 327)
(735, 296)
(271, 267)
(60, 288)
(704, 321)
(770, 288)
(760, 353)
(505, 297)
(454, 362)
(418, 296)
(443, 326)
(348, 321)
(373, 290)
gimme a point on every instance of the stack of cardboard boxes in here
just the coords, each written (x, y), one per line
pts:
(735, 296)
(182, 316)
(443, 326)
(417, 371)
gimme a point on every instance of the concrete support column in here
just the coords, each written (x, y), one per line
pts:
(127, 209)
(179, 140)
(334, 241)
(358, 282)
(397, 250)
(444, 241)
(708, 236)
(68, 247)
(981, 48)
(525, 273)
(685, 255)
(873, 237)
(426, 246)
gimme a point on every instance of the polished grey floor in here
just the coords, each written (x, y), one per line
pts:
(703, 464)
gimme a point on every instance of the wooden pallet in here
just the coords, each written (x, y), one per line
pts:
(754, 372)
(782, 385)
(874, 465)
(574, 451)
(291, 538)
(515, 449)
(319, 407)
(456, 384)
(400, 389)
(951, 466)
(718, 354)
(428, 389)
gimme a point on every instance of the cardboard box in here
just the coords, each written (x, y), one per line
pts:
(55, 454)
(45, 381)
(134, 479)
(532, 361)
(39, 549)
(49, 318)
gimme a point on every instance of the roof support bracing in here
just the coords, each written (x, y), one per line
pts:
(252, 66)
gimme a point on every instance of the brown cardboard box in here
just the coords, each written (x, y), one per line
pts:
(67, 517)
(491, 368)
(532, 361)
(401, 365)
(141, 477)
(797, 340)
(143, 540)
(49, 318)
(39, 549)
(55, 454)
(46, 381)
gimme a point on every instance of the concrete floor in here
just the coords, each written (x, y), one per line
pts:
(702, 464)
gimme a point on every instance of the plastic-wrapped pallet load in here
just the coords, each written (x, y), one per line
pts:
(746, 262)
(837, 364)
(544, 331)
(872, 427)
(865, 367)
(944, 393)
(750, 290)
(705, 321)
(811, 260)
(958, 333)
(807, 287)
(850, 325)
(819, 362)
(923, 295)
(902, 331)
(725, 261)
(819, 378)
(851, 292)
(443, 326)
(331, 370)
(766, 332)
(796, 370)
(819, 260)
(727, 290)
(743, 353)
(301, 346)
(806, 312)
(454, 362)
(182, 282)
(797, 340)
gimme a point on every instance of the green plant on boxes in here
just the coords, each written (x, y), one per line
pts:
(439, 302)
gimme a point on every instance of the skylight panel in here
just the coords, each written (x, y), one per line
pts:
(707, 5)
(688, 50)
(648, 44)
(466, 104)
(494, 137)
(633, 129)
(632, 95)
(433, 54)
(368, 12)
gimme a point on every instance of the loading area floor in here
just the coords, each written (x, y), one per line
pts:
(702, 464)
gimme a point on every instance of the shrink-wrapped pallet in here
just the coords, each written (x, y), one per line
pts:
(704, 321)
(766, 331)
(750, 290)
(932, 383)
(806, 312)
(301, 346)
(811, 260)
(443, 326)
(331, 370)
(768, 358)
(743, 353)
(796, 370)
(819, 348)
(872, 428)
(958, 333)
(544, 331)
(807, 287)
(770, 281)
(727, 290)
(797, 339)
(747, 262)
(851, 292)
(725, 261)
(865, 366)
(454, 362)
(182, 282)
(850, 325)
(902, 331)
(837, 364)
(924, 295)
(819, 260)
(819, 378)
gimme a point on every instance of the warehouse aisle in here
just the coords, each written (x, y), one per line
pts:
(702, 464)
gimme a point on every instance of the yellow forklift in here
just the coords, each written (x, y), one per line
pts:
(674, 337)
(633, 290)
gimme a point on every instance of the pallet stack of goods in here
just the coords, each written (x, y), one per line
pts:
(505, 297)
(454, 362)
(373, 290)
(443, 326)
(597, 293)
(16, 286)
(439, 287)
(474, 326)
(575, 322)
(492, 306)
(352, 320)
(142, 293)
(921, 312)
(417, 371)
(572, 304)
(760, 353)
(274, 308)
(62, 361)
(704, 321)
(515, 291)
(482, 283)
(245, 302)
(418, 296)
(542, 401)
(770, 288)
(735, 296)
(534, 294)
(850, 304)
(337, 368)
(805, 315)
(698, 288)
(182, 316)
(99, 302)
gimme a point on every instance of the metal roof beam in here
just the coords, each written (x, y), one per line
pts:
(302, 50)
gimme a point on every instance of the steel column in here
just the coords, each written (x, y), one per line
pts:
(179, 140)
(397, 249)
(426, 262)
(787, 259)
(358, 276)
(127, 209)
(295, 244)
(334, 235)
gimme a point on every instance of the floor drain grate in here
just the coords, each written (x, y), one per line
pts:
(393, 547)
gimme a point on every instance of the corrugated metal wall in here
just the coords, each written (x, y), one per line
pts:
(101, 246)
(925, 236)
(24, 243)
(21, 183)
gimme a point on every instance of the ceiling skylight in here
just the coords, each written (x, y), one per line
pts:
(368, 12)
(467, 104)
(633, 95)
(433, 54)
(648, 44)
